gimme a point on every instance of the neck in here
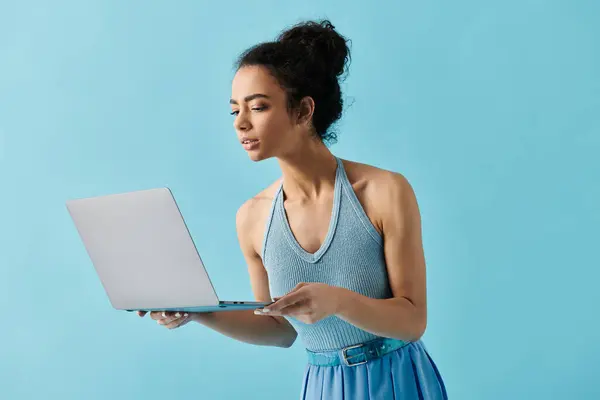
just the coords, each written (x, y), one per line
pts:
(308, 171)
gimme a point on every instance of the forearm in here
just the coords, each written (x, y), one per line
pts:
(393, 318)
(245, 326)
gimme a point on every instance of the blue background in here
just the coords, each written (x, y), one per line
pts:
(490, 109)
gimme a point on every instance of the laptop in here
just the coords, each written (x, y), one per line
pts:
(144, 254)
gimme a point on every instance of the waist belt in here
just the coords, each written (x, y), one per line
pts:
(356, 354)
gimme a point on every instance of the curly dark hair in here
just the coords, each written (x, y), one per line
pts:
(307, 59)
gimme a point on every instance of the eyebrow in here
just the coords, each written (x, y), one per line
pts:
(250, 97)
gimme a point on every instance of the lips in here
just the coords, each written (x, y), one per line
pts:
(246, 141)
(250, 144)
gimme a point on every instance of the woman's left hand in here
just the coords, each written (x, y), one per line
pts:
(307, 302)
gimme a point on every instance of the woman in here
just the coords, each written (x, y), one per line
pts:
(336, 243)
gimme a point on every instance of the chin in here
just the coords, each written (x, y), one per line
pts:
(257, 156)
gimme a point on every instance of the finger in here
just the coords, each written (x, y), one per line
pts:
(167, 320)
(161, 314)
(285, 301)
(141, 313)
(178, 322)
(301, 307)
(297, 308)
(175, 317)
(298, 286)
(168, 314)
(156, 315)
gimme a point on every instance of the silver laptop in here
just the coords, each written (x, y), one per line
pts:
(144, 254)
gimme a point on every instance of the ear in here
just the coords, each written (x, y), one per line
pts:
(306, 110)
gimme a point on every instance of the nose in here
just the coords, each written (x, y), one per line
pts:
(241, 123)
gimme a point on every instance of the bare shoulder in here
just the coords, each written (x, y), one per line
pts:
(377, 189)
(374, 179)
(251, 218)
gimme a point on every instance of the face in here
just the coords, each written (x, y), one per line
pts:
(258, 105)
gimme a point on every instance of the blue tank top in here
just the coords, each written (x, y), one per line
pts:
(351, 256)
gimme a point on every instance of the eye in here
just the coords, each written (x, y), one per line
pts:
(259, 108)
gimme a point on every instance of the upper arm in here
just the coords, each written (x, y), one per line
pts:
(403, 245)
(258, 275)
(259, 279)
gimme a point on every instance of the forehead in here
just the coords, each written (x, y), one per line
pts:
(254, 79)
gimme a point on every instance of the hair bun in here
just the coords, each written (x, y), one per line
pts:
(320, 42)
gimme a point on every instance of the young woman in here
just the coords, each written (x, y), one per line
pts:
(336, 243)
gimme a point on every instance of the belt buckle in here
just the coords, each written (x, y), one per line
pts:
(345, 355)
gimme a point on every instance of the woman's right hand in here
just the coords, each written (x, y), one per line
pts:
(169, 319)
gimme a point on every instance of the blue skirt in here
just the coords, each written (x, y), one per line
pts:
(406, 373)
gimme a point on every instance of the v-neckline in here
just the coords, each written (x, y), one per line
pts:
(305, 255)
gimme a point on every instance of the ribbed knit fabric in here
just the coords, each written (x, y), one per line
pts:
(351, 257)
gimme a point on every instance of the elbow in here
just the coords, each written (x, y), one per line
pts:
(419, 328)
(286, 335)
(420, 331)
(413, 335)
(288, 340)
(419, 324)
(413, 322)
(292, 340)
(414, 331)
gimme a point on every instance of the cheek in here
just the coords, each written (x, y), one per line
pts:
(272, 126)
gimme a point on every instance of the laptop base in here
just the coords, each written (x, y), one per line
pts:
(222, 306)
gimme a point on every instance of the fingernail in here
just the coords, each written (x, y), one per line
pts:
(164, 314)
(185, 315)
(266, 310)
(177, 315)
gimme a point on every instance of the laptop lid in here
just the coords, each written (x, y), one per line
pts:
(142, 250)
